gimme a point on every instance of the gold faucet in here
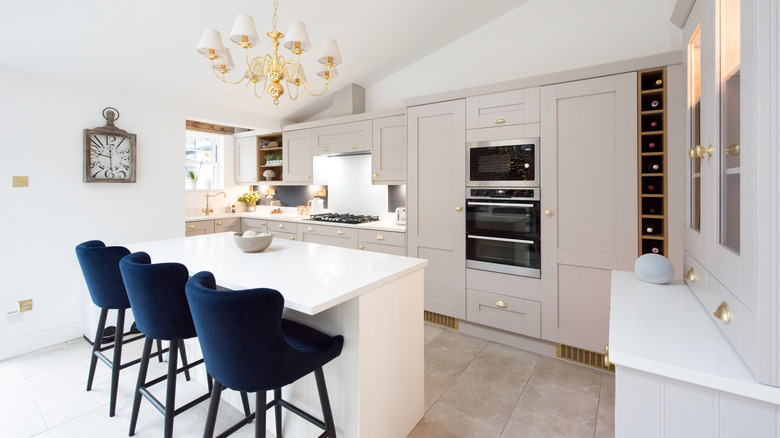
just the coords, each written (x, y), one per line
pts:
(207, 210)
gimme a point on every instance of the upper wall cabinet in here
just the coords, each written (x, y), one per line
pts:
(501, 116)
(297, 156)
(247, 168)
(388, 153)
(343, 138)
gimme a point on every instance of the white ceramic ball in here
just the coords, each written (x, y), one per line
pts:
(249, 233)
(654, 268)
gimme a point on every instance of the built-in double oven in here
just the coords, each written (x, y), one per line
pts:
(502, 207)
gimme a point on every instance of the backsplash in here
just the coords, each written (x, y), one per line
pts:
(396, 197)
(291, 196)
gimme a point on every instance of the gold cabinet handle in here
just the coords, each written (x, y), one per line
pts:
(501, 304)
(361, 247)
(607, 362)
(732, 150)
(262, 224)
(281, 225)
(191, 227)
(354, 146)
(380, 237)
(308, 176)
(254, 178)
(723, 312)
(340, 232)
(700, 151)
(376, 175)
(326, 149)
(548, 212)
(691, 275)
(501, 120)
(292, 237)
(458, 208)
(693, 152)
(219, 223)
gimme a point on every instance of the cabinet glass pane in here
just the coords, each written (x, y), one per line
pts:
(729, 83)
(694, 117)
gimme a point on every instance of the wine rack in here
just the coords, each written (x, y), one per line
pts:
(652, 147)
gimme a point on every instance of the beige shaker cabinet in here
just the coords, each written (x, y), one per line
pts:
(225, 225)
(386, 242)
(436, 224)
(388, 153)
(589, 203)
(197, 228)
(257, 225)
(342, 138)
(247, 166)
(297, 156)
(328, 235)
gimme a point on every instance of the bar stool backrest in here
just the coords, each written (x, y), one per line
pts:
(100, 265)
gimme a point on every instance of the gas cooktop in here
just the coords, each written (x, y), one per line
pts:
(343, 218)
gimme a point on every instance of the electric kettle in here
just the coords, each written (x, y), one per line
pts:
(317, 206)
(400, 215)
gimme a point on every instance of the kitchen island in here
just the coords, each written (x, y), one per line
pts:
(374, 300)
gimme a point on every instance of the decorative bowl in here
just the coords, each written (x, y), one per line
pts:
(253, 243)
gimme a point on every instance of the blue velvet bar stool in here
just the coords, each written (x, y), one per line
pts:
(156, 292)
(100, 266)
(248, 347)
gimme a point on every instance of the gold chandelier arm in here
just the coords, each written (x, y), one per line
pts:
(260, 96)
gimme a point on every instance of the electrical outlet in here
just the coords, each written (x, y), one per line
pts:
(25, 305)
(20, 181)
(11, 308)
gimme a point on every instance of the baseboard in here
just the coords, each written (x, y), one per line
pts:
(40, 339)
(533, 345)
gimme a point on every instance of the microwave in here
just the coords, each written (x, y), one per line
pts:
(505, 163)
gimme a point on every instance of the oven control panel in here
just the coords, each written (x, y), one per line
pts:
(502, 193)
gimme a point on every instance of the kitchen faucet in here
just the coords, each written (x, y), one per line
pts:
(207, 210)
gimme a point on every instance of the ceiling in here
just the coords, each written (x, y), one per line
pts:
(148, 46)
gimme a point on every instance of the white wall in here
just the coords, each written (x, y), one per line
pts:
(537, 38)
(42, 121)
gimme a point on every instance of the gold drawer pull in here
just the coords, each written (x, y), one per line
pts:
(354, 146)
(691, 275)
(191, 227)
(292, 237)
(380, 237)
(376, 175)
(262, 224)
(281, 225)
(308, 176)
(548, 212)
(326, 149)
(723, 312)
(700, 151)
(458, 208)
(254, 178)
(219, 223)
(340, 232)
(692, 153)
(310, 229)
(501, 120)
(501, 304)
(361, 247)
(607, 363)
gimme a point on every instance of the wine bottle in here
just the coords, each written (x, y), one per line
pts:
(649, 229)
(654, 104)
(655, 250)
(659, 82)
(651, 145)
(653, 124)
(650, 188)
(654, 167)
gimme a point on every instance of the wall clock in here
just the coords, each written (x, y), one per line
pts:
(109, 152)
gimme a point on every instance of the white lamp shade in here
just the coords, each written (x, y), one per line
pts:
(257, 68)
(333, 72)
(330, 49)
(296, 33)
(224, 59)
(210, 40)
(244, 26)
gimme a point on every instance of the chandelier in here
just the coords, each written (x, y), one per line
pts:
(272, 66)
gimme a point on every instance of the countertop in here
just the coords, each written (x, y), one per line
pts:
(664, 330)
(289, 217)
(311, 277)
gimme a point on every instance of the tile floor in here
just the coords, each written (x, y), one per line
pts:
(473, 388)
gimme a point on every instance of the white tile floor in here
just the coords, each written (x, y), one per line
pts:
(473, 388)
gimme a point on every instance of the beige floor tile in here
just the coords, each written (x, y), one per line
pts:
(605, 422)
(444, 421)
(452, 352)
(533, 423)
(431, 331)
(436, 382)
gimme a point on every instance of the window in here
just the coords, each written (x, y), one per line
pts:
(203, 161)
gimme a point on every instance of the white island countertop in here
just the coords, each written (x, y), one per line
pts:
(311, 277)
(384, 225)
(664, 330)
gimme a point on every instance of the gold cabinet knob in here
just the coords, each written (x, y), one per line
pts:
(376, 175)
(548, 212)
(693, 153)
(308, 176)
(501, 304)
(691, 275)
(700, 151)
(281, 225)
(501, 120)
(191, 227)
(292, 237)
(732, 150)
(607, 363)
(380, 237)
(326, 149)
(254, 178)
(262, 224)
(354, 146)
(458, 208)
(361, 247)
(723, 312)
(340, 232)
(310, 229)
(219, 223)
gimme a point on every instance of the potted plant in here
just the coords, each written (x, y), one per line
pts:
(273, 159)
(250, 199)
(269, 174)
(192, 177)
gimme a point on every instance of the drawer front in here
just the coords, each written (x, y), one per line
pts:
(506, 313)
(504, 284)
(742, 330)
(285, 236)
(197, 228)
(325, 230)
(383, 237)
(343, 138)
(282, 227)
(254, 224)
(330, 240)
(223, 225)
(384, 249)
(500, 109)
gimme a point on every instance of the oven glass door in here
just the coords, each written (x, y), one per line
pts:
(503, 218)
(510, 256)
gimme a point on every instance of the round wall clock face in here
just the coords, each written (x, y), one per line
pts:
(109, 156)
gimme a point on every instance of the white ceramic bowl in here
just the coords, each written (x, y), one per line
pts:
(253, 244)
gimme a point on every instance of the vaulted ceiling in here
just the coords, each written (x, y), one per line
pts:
(148, 46)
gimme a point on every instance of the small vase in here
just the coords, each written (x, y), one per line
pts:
(251, 207)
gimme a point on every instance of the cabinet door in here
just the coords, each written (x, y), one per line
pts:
(343, 138)
(198, 228)
(589, 198)
(297, 156)
(436, 222)
(224, 225)
(388, 154)
(246, 159)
